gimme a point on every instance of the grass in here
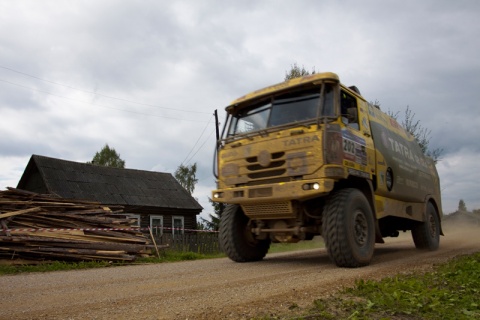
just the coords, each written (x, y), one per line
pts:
(450, 291)
(175, 256)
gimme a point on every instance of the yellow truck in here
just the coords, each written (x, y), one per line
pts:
(310, 157)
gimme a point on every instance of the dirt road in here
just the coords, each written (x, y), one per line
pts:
(210, 289)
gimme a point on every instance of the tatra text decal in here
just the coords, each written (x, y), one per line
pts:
(300, 140)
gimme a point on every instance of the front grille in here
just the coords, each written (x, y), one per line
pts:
(265, 167)
(275, 156)
(266, 174)
(265, 181)
(256, 167)
(271, 165)
(269, 210)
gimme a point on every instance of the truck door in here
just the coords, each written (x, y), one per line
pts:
(358, 146)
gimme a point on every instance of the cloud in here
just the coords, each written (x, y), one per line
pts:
(459, 180)
(145, 77)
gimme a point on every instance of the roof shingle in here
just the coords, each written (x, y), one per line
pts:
(114, 186)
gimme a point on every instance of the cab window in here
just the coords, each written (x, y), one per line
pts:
(349, 110)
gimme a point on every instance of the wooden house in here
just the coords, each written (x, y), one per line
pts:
(155, 199)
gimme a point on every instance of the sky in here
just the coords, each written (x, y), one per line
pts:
(145, 77)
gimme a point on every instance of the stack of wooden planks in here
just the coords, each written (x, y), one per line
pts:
(45, 227)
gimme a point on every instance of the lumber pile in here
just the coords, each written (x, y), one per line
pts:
(45, 227)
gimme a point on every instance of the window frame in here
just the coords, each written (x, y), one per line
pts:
(134, 216)
(155, 230)
(182, 230)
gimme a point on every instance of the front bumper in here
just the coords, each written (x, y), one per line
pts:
(276, 192)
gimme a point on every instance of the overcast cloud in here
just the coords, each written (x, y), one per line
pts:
(146, 76)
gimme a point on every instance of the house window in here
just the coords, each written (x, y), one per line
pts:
(177, 223)
(156, 224)
(136, 218)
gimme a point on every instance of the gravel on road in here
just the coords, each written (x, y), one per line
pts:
(214, 288)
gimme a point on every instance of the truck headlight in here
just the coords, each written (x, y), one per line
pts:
(218, 195)
(311, 186)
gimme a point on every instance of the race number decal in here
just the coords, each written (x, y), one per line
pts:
(348, 146)
(354, 151)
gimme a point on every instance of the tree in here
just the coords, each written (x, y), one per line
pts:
(296, 72)
(461, 206)
(420, 133)
(108, 157)
(201, 225)
(214, 222)
(185, 175)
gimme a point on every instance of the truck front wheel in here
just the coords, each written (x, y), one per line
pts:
(237, 239)
(348, 228)
(426, 235)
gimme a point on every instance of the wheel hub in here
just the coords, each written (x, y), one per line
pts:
(360, 228)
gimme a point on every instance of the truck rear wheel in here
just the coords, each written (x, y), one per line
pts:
(348, 228)
(237, 239)
(426, 235)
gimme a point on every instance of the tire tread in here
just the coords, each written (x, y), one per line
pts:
(335, 233)
(232, 237)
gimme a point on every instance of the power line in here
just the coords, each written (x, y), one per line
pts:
(200, 148)
(197, 140)
(99, 94)
(98, 105)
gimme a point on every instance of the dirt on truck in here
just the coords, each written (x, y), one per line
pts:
(310, 157)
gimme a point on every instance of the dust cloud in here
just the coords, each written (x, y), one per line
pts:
(461, 229)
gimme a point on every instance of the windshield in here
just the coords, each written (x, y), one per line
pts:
(294, 107)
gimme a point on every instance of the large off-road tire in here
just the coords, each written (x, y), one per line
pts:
(426, 235)
(348, 228)
(236, 238)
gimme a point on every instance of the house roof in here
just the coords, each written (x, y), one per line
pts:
(107, 185)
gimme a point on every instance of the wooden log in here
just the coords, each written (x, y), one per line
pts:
(27, 210)
(89, 238)
(81, 251)
(16, 213)
(4, 227)
(27, 241)
(71, 256)
(127, 234)
(154, 243)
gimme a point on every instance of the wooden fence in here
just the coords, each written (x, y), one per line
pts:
(199, 242)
